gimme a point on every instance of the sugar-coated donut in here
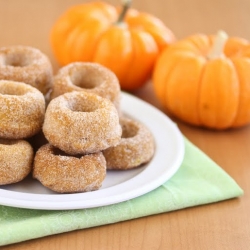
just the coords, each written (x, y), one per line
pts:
(26, 64)
(81, 123)
(87, 76)
(64, 173)
(16, 157)
(22, 109)
(136, 147)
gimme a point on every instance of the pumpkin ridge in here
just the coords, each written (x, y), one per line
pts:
(170, 87)
(242, 116)
(106, 10)
(132, 59)
(174, 65)
(239, 91)
(170, 58)
(154, 26)
(109, 50)
(165, 88)
(200, 44)
(199, 96)
(68, 44)
(92, 36)
(144, 53)
(56, 35)
(218, 103)
(188, 90)
(236, 47)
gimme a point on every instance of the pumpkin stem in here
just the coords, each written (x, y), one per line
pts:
(218, 46)
(125, 6)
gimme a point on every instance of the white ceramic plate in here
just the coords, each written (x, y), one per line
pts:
(118, 186)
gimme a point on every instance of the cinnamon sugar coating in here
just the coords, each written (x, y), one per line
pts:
(136, 147)
(64, 173)
(81, 123)
(22, 109)
(89, 77)
(16, 157)
(26, 64)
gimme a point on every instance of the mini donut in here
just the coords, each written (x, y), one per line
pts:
(64, 173)
(22, 109)
(81, 123)
(26, 64)
(89, 77)
(135, 148)
(16, 157)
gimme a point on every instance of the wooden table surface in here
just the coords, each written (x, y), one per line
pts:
(223, 225)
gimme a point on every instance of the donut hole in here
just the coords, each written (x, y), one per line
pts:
(7, 142)
(83, 105)
(129, 130)
(86, 80)
(59, 152)
(17, 60)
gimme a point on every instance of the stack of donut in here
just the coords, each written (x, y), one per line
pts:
(24, 73)
(82, 129)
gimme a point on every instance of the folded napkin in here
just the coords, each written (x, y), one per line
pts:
(198, 181)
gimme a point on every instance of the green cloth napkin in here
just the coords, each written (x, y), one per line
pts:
(198, 181)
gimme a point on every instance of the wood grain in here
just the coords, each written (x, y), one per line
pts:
(223, 225)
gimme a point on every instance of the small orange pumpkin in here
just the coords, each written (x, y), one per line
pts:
(126, 41)
(205, 80)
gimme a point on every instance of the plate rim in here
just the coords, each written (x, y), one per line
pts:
(26, 200)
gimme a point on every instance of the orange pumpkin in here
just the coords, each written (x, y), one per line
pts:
(205, 80)
(127, 41)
